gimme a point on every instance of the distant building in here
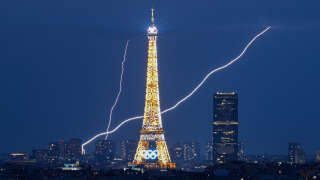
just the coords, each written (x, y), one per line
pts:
(105, 150)
(19, 156)
(301, 157)
(191, 151)
(57, 151)
(73, 149)
(209, 151)
(177, 152)
(88, 158)
(296, 154)
(128, 150)
(317, 156)
(41, 155)
(61, 151)
(225, 127)
(241, 154)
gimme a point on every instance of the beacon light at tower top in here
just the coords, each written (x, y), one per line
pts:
(152, 30)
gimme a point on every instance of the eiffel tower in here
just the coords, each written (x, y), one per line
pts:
(152, 150)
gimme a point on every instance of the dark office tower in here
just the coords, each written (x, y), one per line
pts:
(57, 151)
(296, 154)
(225, 127)
(105, 150)
(128, 149)
(73, 149)
(177, 152)
(209, 151)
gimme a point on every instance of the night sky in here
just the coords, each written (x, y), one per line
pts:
(60, 63)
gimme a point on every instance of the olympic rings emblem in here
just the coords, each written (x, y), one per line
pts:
(150, 154)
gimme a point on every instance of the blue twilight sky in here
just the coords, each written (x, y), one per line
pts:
(60, 65)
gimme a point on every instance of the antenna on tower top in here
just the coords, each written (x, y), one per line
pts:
(152, 16)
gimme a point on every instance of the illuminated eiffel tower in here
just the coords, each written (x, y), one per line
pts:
(152, 151)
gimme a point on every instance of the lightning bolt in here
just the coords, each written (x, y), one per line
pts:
(120, 88)
(186, 97)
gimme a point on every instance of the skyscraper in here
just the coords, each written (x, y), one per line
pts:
(225, 127)
(105, 150)
(296, 154)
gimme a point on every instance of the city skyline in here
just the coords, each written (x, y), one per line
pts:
(59, 93)
(183, 153)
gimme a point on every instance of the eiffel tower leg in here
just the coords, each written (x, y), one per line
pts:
(143, 145)
(164, 157)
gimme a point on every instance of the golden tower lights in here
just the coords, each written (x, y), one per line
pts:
(152, 151)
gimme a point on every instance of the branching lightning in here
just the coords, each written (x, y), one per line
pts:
(186, 97)
(120, 88)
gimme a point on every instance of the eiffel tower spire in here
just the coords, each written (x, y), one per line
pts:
(152, 16)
